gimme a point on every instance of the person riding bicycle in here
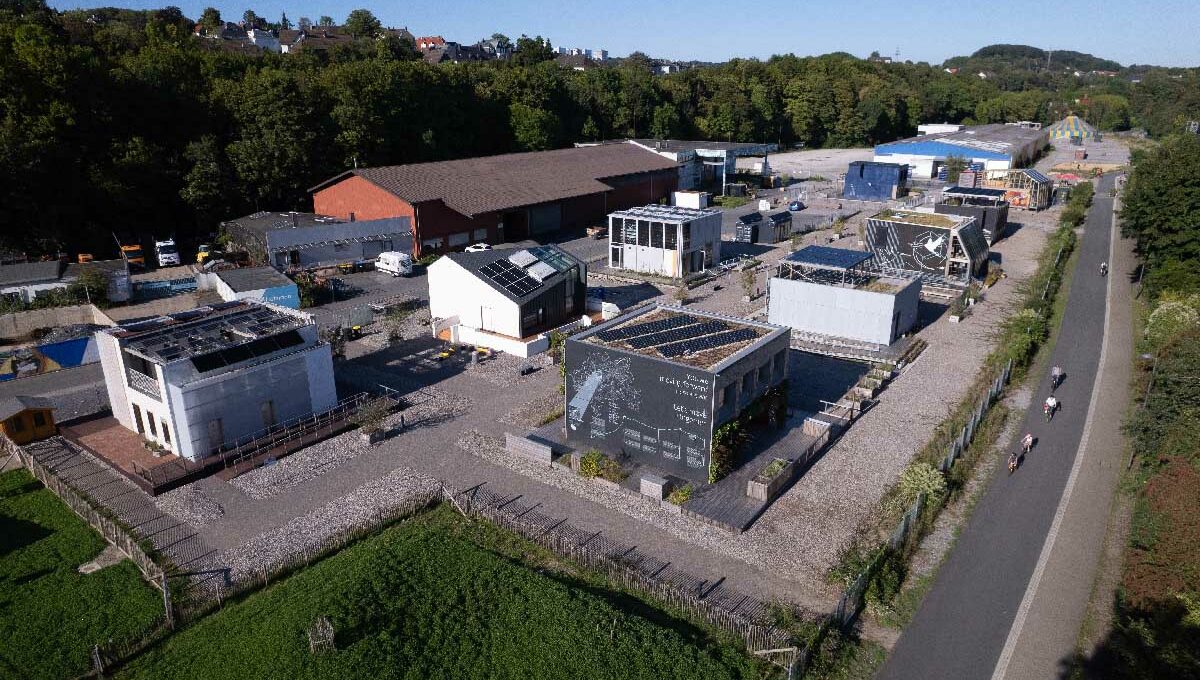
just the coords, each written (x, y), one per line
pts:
(1056, 375)
(1027, 442)
(1050, 406)
(1103, 268)
(1013, 460)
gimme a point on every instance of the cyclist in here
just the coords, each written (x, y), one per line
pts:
(1056, 375)
(1103, 269)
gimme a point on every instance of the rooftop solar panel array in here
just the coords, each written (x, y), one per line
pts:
(646, 328)
(677, 334)
(707, 342)
(510, 277)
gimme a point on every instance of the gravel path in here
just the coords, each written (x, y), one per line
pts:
(310, 530)
(432, 407)
(530, 414)
(190, 504)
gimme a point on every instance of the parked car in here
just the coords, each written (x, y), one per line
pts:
(478, 248)
(796, 206)
(394, 263)
(166, 252)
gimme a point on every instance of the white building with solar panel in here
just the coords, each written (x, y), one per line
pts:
(195, 382)
(822, 293)
(665, 240)
(508, 300)
(655, 384)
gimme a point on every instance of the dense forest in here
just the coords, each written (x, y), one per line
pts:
(117, 120)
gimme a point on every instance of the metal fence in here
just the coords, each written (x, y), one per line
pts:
(853, 599)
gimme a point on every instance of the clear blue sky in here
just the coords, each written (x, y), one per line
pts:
(1160, 32)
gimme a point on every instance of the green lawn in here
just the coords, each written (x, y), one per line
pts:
(50, 614)
(426, 599)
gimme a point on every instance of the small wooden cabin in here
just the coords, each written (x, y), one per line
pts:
(27, 419)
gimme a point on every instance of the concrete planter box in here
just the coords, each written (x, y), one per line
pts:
(653, 486)
(528, 448)
(767, 488)
(371, 438)
(954, 318)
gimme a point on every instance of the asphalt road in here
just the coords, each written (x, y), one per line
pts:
(961, 627)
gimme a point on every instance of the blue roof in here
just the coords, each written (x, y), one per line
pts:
(938, 149)
(824, 256)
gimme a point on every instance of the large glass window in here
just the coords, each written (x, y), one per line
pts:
(656, 234)
(631, 232)
(643, 237)
(687, 235)
(671, 236)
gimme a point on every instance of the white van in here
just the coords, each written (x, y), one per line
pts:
(394, 263)
(166, 252)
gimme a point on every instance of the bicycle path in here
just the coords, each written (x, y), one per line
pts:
(963, 626)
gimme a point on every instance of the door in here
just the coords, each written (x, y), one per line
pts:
(137, 419)
(216, 434)
(267, 410)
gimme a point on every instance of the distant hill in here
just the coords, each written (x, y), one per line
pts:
(1026, 57)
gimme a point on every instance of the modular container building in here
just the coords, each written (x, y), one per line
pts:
(664, 240)
(655, 384)
(753, 228)
(987, 206)
(872, 181)
(295, 240)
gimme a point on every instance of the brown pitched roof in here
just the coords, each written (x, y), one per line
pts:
(473, 186)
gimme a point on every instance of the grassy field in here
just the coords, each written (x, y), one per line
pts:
(438, 597)
(50, 614)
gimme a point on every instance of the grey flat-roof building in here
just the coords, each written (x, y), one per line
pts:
(196, 381)
(704, 165)
(835, 292)
(656, 384)
(664, 240)
(304, 240)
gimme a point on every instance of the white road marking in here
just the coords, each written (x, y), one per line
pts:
(1014, 633)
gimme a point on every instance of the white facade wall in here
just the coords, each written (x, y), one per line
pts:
(114, 378)
(849, 313)
(922, 166)
(671, 263)
(456, 292)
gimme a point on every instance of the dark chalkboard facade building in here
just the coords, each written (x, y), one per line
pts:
(938, 249)
(654, 384)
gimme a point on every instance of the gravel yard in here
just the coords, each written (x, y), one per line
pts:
(308, 531)
(531, 414)
(190, 504)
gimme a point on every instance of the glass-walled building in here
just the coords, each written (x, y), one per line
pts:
(664, 240)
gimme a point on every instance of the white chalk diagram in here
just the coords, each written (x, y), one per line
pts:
(925, 251)
(602, 401)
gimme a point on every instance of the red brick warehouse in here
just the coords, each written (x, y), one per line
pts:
(452, 204)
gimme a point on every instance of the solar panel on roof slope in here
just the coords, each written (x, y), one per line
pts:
(647, 328)
(707, 342)
(510, 277)
(677, 334)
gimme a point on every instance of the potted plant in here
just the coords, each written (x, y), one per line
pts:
(369, 419)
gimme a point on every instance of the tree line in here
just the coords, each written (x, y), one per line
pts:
(119, 120)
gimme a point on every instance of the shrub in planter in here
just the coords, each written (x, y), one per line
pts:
(681, 495)
(591, 464)
(369, 419)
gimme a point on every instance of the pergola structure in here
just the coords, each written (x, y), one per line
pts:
(828, 266)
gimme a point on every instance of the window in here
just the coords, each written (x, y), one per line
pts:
(479, 234)
(656, 234)
(687, 235)
(460, 239)
(631, 232)
(643, 233)
(137, 419)
(17, 422)
(39, 419)
(431, 244)
(615, 233)
(136, 363)
(780, 362)
(166, 432)
(153, 425)
(671, 236)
